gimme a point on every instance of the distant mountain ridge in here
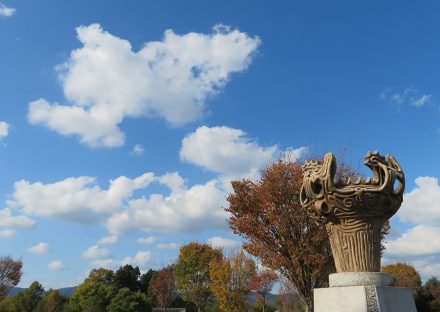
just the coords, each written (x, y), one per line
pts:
(66, 291)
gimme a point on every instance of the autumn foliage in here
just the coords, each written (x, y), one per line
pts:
(231, 279)
(404, 275)
(10, 274)
(164, 287)
(268, 214)
(262, 284)
(192, 273)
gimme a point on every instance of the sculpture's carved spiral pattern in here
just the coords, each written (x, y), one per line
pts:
(353, 211)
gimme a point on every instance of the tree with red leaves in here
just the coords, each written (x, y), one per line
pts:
(262, 284)
(164, 287)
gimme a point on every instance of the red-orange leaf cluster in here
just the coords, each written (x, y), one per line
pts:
(268, 214)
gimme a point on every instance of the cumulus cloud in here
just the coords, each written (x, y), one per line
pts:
(77, 198)
(224, 243)
(10, 221)
(409, 96)
(95, 252)
(108, 263)
(224, 150)
(4, 129)
(56, 265)
(6, 11)
(140, 259)
(107, 240)
(180, 208)
(422, 204)
(146, 240)
(39, 249)
(183, 209)
(105, 81)
(80, 199)
(420, 244)
(230, 151)
(419, 240)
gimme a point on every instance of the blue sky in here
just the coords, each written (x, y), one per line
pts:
(122, 122)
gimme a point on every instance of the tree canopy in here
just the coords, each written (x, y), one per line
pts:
(192, 272)
(10, 274)
(164, 287)
(268, 214)
(231, 279)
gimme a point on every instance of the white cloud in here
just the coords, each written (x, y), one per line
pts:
(224, 150)
(108, 263)
(231, 153)
(167, 246)
(422, 204)
(107, 240)
(6, 11)
(146, 240)
(184, 209)
(10, 221)
(419, 240)
(7, 233)
(224, 243)
(56, 265)
(420, 244)
(105, 81)
(140, 259)
(409, 96)
(422, 100)
(95, 252)
(138, 150)
(39, 249)
(4, 129)
(77, 198)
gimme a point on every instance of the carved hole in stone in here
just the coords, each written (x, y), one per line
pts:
(324, 208)
(303, 196)
(317, 187)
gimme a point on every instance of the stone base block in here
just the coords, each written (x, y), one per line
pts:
(364, 299)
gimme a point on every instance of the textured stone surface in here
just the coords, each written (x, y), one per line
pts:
(364, 299)
(353, 212)
(360, 279)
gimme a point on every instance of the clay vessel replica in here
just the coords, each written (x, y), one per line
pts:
(353, 212)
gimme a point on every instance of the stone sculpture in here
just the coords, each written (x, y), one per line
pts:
(354, 212)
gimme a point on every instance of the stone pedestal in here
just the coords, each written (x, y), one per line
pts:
(363, 292)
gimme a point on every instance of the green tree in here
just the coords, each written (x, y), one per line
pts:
(101, 275)
(8, 304)
(10, 274)
(231, 279)
(28, 300)
(146, 279)
(90, 296)
(52, 301)
(129, 301)
(127, 277)
(192, 273)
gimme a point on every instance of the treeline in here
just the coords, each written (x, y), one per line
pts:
(202, 279)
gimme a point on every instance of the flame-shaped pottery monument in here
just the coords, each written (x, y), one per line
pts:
(354, 213)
